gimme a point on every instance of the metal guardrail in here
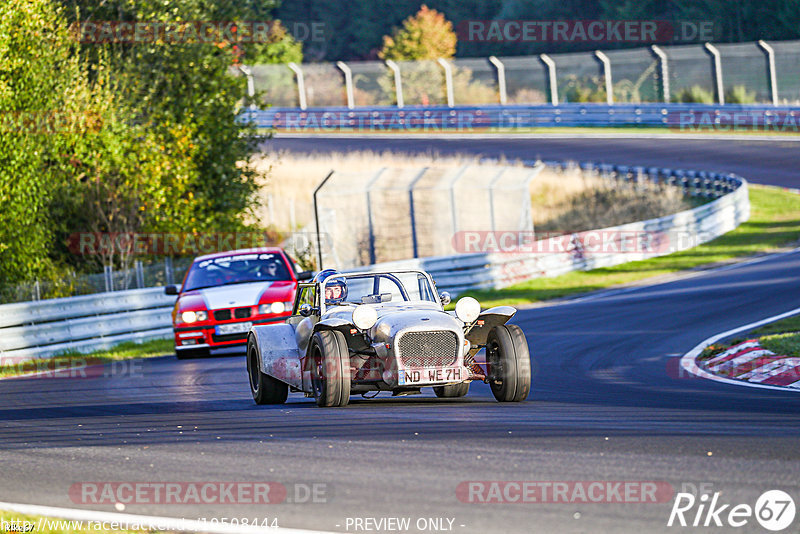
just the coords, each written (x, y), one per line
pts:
(681, 117)
(44, 328)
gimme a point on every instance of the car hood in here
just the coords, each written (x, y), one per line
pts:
(239, 295)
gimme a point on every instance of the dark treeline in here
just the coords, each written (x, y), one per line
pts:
(354, 28)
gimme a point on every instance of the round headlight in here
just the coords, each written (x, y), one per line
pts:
(364, 317)
(189, 317)
(468, 309)
(277, 307)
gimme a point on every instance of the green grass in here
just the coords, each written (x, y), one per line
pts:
(123, 351)
(774, 222)
(781, 337)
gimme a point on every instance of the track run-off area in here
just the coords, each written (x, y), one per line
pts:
(610, 401)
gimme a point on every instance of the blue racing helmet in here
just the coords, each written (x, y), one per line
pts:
(340, 282)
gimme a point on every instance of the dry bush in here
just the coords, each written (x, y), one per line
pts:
(570, 202)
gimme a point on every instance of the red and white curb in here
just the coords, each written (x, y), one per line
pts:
(751, 362)
(748, 363)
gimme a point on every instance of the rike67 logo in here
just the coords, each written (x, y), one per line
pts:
(774, 510)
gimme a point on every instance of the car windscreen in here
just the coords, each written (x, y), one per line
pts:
(395, 287)
(237, 269)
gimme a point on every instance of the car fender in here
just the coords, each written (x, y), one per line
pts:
(279, 356)
(492, 317)
(333, 323)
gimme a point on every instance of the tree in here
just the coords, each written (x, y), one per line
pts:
(426, 35)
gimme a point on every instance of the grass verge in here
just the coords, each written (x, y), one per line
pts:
(123, 351)
(781, 337)
(774, 222)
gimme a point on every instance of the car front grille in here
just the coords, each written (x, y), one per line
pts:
(238, 313)
(242, 313)
(428, 349)
(222, 315)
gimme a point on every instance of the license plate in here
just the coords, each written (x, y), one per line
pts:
(233, 328)
(411, 377)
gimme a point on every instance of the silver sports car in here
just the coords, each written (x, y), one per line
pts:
(356, 333)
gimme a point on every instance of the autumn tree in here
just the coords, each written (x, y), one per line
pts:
(426, 35)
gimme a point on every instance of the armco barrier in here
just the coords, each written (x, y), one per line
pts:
(682, 117)
(43, 328)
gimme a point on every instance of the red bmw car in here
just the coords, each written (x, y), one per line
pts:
(225, 293)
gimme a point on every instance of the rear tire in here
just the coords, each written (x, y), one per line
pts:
(330, 368)
(452, 390)
(265, 389)
(509, 363)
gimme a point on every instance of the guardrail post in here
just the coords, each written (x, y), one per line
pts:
(348, 83)
(607, 75)
(37, 291)
(771, 75)
(717, 62)
(551, 74)
(491, 197)
(398, 82)
(501, 79)
(316, 219)
(411, 211)
(370, 223)
(301, 84)
(663, 61)
(448, 81)
(139, 273)
(452, 186)
(108, 273)
(169, 273)
(251, 86)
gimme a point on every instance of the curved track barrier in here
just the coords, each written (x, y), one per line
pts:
(679, 117)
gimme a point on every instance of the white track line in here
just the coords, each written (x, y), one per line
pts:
(147, 521)
(689, 364)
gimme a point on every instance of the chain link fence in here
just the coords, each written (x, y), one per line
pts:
(394, 214)
(747, 72)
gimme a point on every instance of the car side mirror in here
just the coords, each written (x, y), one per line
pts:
(305, 275)
(305, 310)
(444, 297)
(171, 289)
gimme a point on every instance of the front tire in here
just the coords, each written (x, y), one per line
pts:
(330, 368)
(452, 390)
(265, 389)
(509, 363)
